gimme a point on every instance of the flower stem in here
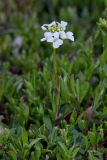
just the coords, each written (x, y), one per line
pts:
(56, 90)
(54, 67)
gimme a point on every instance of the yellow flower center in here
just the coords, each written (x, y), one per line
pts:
(54, 28)
(103, 22)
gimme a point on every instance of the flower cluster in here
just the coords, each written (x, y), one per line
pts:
(55, 33)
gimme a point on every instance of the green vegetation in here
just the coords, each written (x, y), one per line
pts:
(32, 127)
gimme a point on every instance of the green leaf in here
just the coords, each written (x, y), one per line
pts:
(29, 86)
(36, 155)
(73, 117)
(47, 122)
(73, 151)
(12, 155)
(82, 124)
(64, 150)
(92, 137)
(24, 137)
(33, 142)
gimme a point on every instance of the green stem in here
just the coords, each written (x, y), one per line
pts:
(54, 67)
(56, 83)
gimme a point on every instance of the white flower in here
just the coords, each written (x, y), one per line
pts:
(55, 33)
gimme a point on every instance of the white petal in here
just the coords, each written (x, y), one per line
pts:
(44, 27)
(69, 33)
(51, 24)
(56, 35)
(50, 39)
(63, 35)
(63, 24)
(57, 43)
(43, 39)
(48, 34)
(58, 23)
(70, 36)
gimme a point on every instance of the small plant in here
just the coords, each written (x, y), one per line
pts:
(53, 95)
(55, 34)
